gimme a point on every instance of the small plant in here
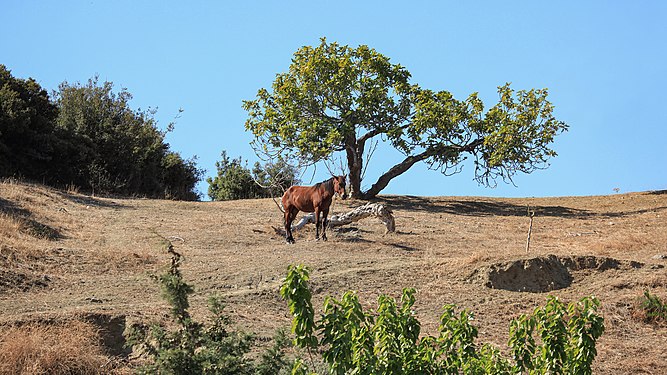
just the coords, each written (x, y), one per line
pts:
(555, 339)
(274, 361)
(194, 347)
(652, 308)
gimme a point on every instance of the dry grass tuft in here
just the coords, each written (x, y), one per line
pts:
(477, 257)
(71, 348)
(621, 243)
(9, 226)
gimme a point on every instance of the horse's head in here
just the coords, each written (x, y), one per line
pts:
(339, 185)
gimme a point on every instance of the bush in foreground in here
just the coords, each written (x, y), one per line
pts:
(194, 347)
(554, 339)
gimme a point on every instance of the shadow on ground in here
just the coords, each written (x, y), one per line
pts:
(478, 208)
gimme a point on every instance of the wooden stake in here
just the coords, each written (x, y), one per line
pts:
(531, 214)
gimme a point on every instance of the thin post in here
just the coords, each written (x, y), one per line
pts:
(531, 214)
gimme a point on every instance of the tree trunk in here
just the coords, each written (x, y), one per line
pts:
(394, 171)
(409, 161)
(355, 153)
(378, 210)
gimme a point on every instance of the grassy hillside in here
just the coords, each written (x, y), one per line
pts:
(67, 258)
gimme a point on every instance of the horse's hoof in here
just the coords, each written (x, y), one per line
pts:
(290, 240)
(324, 238)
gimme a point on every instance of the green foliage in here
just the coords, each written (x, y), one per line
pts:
(555, 339)
(27, 134)
(89, 138)
(296, 291)
(274, 361)
(568, 335)
(275, 176)
(337, 98)
(327, 92)
(119, 150)
(197, 348)
(653, 308)
(235, 181)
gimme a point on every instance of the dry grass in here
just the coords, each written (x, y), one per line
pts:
(72, 348)
(108, 247)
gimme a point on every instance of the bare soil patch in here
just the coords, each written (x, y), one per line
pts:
(544, 274)
(106, 248)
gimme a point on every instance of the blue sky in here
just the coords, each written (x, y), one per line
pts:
(604, 62)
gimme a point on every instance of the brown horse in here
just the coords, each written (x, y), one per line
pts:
(316, 199)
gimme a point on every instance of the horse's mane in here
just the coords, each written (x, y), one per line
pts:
(327, 183)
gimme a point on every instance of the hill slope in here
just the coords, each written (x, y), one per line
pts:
(65, 255)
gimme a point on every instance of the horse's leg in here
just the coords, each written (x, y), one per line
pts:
(325, 214)
(289, 216)
(317, 223)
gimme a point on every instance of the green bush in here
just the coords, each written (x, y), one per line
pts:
(88, 137)
(235, 181)
(117, 149)
(27, 128)
(652, 308)
(554, 339)
(197, 348)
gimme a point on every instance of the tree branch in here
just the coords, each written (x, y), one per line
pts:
(393, 172)
(411, 160)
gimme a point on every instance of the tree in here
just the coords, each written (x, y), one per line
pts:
(276, 176)
(107, 146)
(235, 181)
(26, 127)
(337, 98)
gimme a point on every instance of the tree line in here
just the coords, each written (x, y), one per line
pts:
(87, 136)
(333, 98)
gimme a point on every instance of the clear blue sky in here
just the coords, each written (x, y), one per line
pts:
(604, 62)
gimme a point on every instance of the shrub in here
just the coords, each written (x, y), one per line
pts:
(27, 128)
(236, 181)
(88, 137)
(109, 147)
(388, 341)
(652, 308)
(194, 347)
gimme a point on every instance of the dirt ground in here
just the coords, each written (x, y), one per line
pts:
(64, 255)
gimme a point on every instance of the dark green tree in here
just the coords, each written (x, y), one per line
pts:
(235, 180)
(27, 118)
(109, 147)
(276, 176)
(337, 98)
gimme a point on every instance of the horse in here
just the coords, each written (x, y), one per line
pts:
(316, 198)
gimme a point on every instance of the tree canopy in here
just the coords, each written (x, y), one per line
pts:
(337, 98)
(27, 118)
(88, 137)
(234, 180)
